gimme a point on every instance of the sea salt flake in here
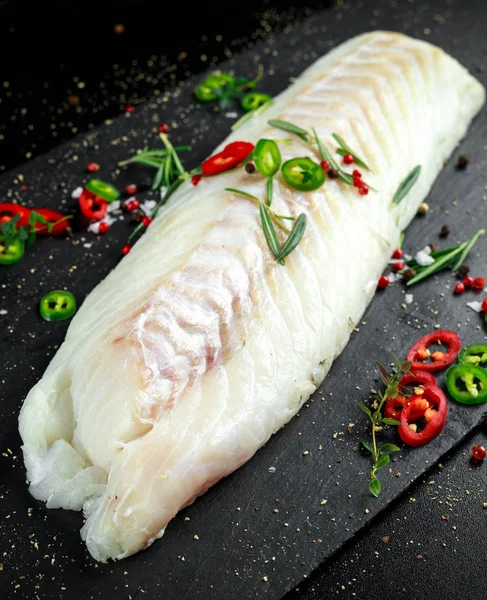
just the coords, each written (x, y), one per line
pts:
(424, 259)
(3, 311)
(475, 305)
(408, 298)
(272, 469)
(77, 192)
(231, 115)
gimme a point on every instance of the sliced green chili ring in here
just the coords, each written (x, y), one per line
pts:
(103, 189)
(467, 384)
(267, 157)
(205, 92)
(476, 354)
(57, 305)
(14, 252)
(303, 174)
(254, 100)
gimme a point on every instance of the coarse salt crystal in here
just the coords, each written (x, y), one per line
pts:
(87, 245)
(77, 192)
(148, 205)
(163, 191)
(424, 259)
(113, 206)
(231, 115)
(475, 305)
(408, 298)
(393, 277)
(3, 311)
(272, 469)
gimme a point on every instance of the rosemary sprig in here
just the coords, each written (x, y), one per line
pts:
(452, 258)
(326, 155)
(381, 454)
(273, 215)
(253, 113)
(406, 185)
(345, 149)
(290, 128)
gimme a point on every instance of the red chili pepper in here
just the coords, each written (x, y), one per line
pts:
(92, 206)
(62, 223)
(393, 407)
(230, 157)
(420, 350)
(435, 412)
(8, 210)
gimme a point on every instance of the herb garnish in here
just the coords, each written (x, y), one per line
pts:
(381, 454)
(452, 258)
(406, 185)
(253, 113)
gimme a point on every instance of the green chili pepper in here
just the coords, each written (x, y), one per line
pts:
(476, 354)
(57, 305)
(103, 189)
(467, 384)
(14, 252)
(205, 92)
(254, 100)
(303, 174)
(267, 157)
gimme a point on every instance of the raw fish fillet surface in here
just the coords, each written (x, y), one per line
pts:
(198, 346)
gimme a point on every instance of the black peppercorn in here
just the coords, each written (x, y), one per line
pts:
(137, 215)
(463, 161)
(250, 167)
(332, 173)
(445, 231)
(464, 270)
(433, 247)
(408, 274)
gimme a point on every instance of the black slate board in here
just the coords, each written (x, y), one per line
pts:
(242, 540)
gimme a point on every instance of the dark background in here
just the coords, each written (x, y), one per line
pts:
(64, 70)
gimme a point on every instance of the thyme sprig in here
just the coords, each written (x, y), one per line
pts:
(381, 455)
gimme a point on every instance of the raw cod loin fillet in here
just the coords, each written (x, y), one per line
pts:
(199, 346)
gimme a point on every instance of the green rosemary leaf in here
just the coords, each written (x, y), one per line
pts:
(252, 113)
(244, 194)
(157, 181)
(374, 487)
(470, 244)
(438, 265)
(406, 185)
(290, 128)
(270, 232)
(269, 191)
(345, 149)
(295, 237)
(326, 155)
(389, 448)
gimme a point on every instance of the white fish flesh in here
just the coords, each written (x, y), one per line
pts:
(199, 346)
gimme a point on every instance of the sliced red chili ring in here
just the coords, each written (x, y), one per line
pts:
(92, 206)
(230, 157)
(435, 416)
(393, 407)
(8, 210)
(420, 352)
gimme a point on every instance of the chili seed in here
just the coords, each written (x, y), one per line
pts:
(408, 274)
(92, 167)
(479, 452)
(445, 231)
(423, 208)
(464, 270)
(332, 173)
(383, 282)
(250, 167)
(131, 189)
(459, 288)
(348, 159)
(463, 161)
(126, 249)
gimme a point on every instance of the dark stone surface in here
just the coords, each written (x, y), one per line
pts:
(242, 538)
